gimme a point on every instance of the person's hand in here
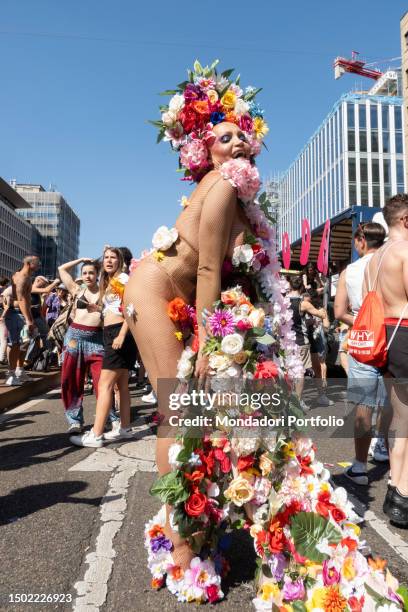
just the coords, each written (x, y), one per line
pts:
(323, 313)
(201, 367)
(118, 342)
(30, 328)
(86, 259)
(93, 308)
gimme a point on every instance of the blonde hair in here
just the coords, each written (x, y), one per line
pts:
(105, 278)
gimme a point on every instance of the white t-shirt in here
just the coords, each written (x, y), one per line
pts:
(112, 301)
(354, 282)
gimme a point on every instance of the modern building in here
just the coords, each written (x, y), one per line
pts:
(404, 69)
(57, 224)
(355, 158)
(15, 233)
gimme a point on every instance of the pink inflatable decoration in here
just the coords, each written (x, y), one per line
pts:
(286, 250)
(306, 240)
(323, 259)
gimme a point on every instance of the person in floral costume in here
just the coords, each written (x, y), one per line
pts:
(208, 305)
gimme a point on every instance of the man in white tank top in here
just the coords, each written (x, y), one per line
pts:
(365, 385)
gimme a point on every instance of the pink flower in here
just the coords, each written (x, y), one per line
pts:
(293, 590)
(255, 144)
(243, 176)
(194, 156)
(245, 123)
(243, 325)
(222, 323)
(330, 574)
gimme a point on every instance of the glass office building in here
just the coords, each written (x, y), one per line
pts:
(57, 224)
(356, 157)
(15, 233)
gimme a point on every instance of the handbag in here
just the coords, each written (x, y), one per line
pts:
(60, 326)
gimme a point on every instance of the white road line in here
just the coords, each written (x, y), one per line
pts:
(26, 406)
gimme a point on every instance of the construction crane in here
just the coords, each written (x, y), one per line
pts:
(354, 65)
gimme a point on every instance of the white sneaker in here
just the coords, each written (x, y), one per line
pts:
(305, 407)
(23, 376)
(87, 439)
(75, 428)
(372, 447)
(118, 433)
(380, 451)
(13, 381)
(150, 398)
(324, 401)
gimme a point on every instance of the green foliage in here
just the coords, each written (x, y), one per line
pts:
(249, 96)
(157, 123)
(169, 488)
(189, 446)
(298, 606)
(266, 340)
(403, 593)
(308, 529)
(169, 92)
(211, 345)
(227, 73)
(187, 525)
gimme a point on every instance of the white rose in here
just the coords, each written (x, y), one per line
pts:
(164, 237)
(232, 344)
(213, 490)
(234, 371)
(176, 103)
(174, 451)
(184, 368)
(257, 317)
(219, 362)
(169, 119)
(242, 254)
(241, 107)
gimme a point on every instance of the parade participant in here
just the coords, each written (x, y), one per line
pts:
(41, 288)
(119, 355)
(4, 282)
(221, 237)
(83, 343)
(300, 307)
(19, 316)
(55, 303)
(389, 269)
(312, 282)
(316, 328)
(365, 383)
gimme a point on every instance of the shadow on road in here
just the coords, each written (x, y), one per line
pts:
(28, 450)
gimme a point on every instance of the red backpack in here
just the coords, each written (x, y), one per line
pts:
(367, 341)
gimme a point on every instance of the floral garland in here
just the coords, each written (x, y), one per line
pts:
(204, 100)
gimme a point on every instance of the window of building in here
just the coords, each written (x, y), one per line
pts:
(398, 142)
(350, 115)
(398, 117)
(387, 171)
(352, 194)
(385, 118)
(400, 171)
(374, 141)
(386, 142)
(352, 169)
(364, 195)
(362, 116)
(374, 116)
(376, 195)
(375, 169)
(363, 170)
(363, 141)
(351, 140)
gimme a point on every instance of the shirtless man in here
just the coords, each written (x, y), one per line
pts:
(391, 263)
(19, 313)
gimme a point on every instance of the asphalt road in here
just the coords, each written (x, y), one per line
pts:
(72, 519)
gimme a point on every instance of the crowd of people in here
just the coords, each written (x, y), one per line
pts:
(78, 324)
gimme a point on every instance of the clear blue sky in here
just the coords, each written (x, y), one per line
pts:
(79, 80)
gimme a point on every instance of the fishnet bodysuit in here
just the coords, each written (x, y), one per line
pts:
(209, 228)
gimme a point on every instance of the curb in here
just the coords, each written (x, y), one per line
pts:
(42, 382)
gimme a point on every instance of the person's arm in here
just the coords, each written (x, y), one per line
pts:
(214, 234)
(315, 312)
(22, 284)
(46, 290)
(341, 302)
(7, 299)
(66, 277)
(120, 338)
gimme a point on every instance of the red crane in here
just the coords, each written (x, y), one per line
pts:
(342, 65)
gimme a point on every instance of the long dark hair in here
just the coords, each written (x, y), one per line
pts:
(105, 278)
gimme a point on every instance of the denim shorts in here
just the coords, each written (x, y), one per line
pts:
(14, 321)
(365, 384)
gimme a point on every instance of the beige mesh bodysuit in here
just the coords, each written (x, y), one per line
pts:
(209, 228)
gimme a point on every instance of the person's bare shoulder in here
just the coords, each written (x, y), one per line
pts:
(22, 284)
(213, 179)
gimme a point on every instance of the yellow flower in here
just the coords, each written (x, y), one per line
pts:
(269, 591)
(260, 127)
(228, 100)
(265, 464)
(348, 570)
(325, 486)
(158, 255)
(313, 569)
(117, 287)
(317, 600)
(178, 335)
(288, 450)
(184, 201)
(212, 96)
(286, 608)
(240, 491)
(240, 358)
(354, 527)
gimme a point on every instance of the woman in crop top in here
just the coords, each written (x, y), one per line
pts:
(119, 353)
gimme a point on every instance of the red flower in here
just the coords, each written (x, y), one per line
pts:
(212, 593)
(293, 508)
(177, 310)
(195, 505)
(188, 118)
(356, 605)
(213, 511)
(208, 461)
(256, 248)
(278, 540)
(350, 543)
(157, 583)
(244, 463)
(266, 369)
(304, 465)
(195, 477)
(337, 514)
(225, 461)
(263, 539)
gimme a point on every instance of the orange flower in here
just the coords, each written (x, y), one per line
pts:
(177, 310)
(195, 477)
(156, 531)
(377, 563)
(201, 107)
(157, 583)
(351, 543)
(176, 572)
(334, 600)
(117, 287)
(231, 117)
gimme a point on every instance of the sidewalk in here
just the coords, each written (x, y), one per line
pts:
(40, 383)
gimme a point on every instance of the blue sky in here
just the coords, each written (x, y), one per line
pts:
(81, 78)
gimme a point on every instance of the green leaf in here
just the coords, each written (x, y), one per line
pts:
(403, 593)
(169, 92)
(308, 529)
(186, 524)
(266, 571)
(238, 79)
(266, 340)
(257, 331)
(224, 91)
(157, 123)
(169, 489)
(183, 85)
(227, 73)
(214, 64)
(190, 76)
(198, 69)
(249, 96)
(160, 136)
(189, 446)
(379, 599)
(298, 606)
(262, 197)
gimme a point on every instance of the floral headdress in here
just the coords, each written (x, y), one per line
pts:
(208, 98)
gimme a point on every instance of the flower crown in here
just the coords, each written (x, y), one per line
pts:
(208, 98)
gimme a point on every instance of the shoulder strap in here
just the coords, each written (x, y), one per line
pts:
(384, 249)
